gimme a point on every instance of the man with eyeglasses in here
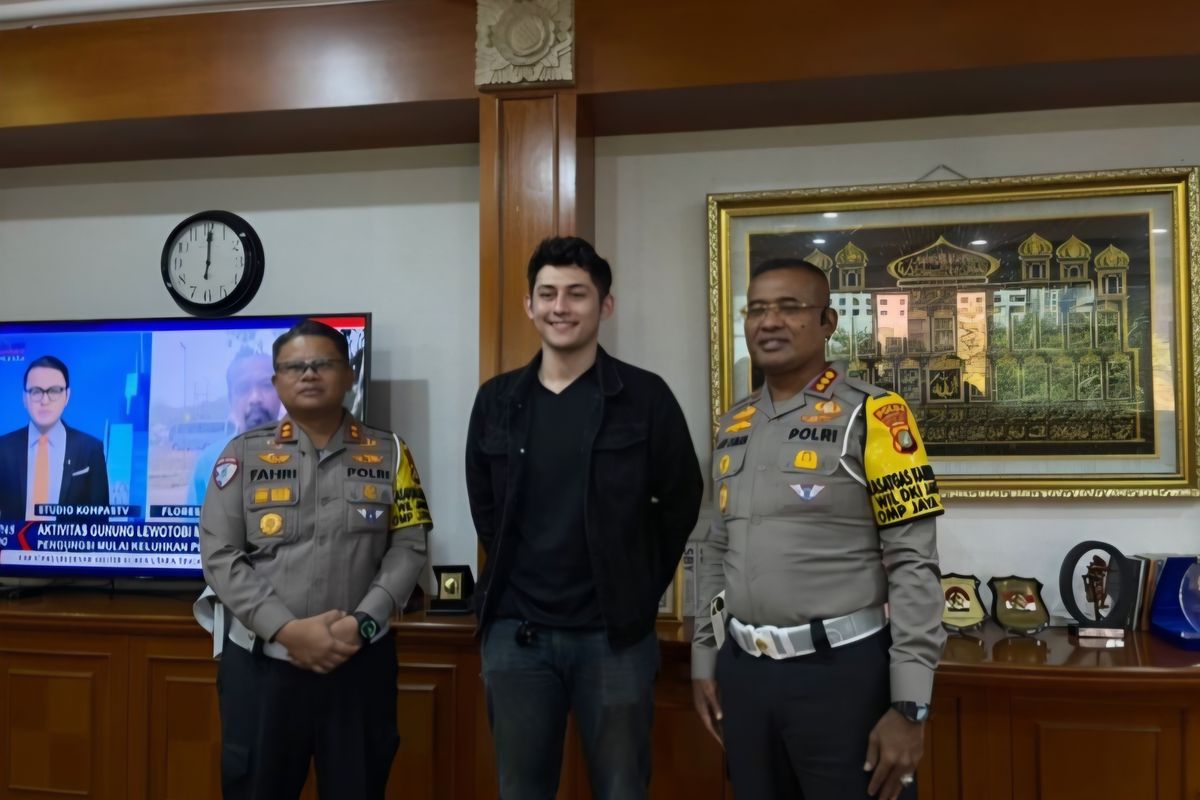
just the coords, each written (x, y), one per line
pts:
(252, 402)
(312, 536)
(819, 621)
(47, 461)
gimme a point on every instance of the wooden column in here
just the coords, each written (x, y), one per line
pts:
(536, 176)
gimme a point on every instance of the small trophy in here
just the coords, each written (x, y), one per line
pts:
(1017, 604)
(454, 587)
(962, 610)
(1108, 589)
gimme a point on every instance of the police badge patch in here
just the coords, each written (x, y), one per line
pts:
(224, 471)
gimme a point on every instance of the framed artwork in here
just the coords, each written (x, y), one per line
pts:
(1040, 327)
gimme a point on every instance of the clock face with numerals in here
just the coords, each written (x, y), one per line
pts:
(212, 263)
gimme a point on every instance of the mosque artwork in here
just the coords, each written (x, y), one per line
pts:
(1021, 338)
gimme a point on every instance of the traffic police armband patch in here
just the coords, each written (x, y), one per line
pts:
(224, 471)
(899, 479)
(409, 506)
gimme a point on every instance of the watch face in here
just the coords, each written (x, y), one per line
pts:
(212, 263)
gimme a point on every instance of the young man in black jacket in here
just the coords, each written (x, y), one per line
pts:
(584, 487)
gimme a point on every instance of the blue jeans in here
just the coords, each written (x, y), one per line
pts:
(530, 690)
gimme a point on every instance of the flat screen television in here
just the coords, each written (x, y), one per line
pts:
(131, 441)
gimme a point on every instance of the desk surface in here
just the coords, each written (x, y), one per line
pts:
(988, 656)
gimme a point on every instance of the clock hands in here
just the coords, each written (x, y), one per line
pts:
(208, 257)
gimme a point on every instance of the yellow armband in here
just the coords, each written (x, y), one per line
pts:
(899, 479)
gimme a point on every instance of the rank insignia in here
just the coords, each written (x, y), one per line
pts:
(224, 471)
(286, 432)
(805, 459)
(369, 442)
(746, 413)
(807, 493)
(275, 458)
(723, 498)
(370, 514)
(824, 380)
(270, 524)
(355, 432)
(724, 464)
(367, 458)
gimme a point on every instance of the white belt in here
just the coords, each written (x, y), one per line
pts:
(777, 643)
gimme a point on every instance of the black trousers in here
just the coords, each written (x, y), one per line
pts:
(797, 729)
(276, 718)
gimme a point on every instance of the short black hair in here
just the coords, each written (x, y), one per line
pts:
(772, 264)
(311, 327)
(50, 362)
(571, 251)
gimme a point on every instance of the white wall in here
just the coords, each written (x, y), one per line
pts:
(651, 223)
(392, 232)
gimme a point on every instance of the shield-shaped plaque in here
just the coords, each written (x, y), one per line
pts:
(1017, 604)
(962, 609)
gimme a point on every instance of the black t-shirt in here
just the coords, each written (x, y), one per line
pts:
(551, 582)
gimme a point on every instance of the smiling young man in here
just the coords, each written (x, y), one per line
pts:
(818, 693)
(48, 461)
(312, 536)
(584, 487)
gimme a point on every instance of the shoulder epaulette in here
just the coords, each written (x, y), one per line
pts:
(869, 389)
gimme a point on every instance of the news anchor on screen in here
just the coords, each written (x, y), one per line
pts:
(48, 461)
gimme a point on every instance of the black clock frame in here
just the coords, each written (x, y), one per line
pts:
(252, 274)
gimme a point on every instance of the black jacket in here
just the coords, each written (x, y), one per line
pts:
(643, 488)
(84, 475)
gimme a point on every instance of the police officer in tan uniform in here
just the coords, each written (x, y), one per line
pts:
(825, 523)
(312, 536)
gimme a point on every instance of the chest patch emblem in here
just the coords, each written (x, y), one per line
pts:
(807, 493)
(270, 524)
(367, 458)
(805, 459)
(370, 514)
(275, 458)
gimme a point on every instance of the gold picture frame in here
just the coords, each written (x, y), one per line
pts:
(1042, 325)
(670, 605)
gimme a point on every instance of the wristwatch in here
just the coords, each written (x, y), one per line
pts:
(368, 628)
(913, 712)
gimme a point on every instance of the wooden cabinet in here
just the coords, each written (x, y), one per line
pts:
(115, 697)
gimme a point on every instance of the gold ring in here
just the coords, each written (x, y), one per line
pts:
(906, 780)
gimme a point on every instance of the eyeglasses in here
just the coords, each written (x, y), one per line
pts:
(789, 309)
(37, 393)
(294, 370)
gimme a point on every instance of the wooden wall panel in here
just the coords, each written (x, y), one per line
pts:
(333, 56)
(59, 711)
(1080, 748)
(175, 723)
(628, 45)
(532, 172)
(426, 767)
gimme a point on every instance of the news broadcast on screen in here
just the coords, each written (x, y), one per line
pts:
(109, 431)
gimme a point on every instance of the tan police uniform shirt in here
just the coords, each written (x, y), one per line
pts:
(795, 536)
(288, 533)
